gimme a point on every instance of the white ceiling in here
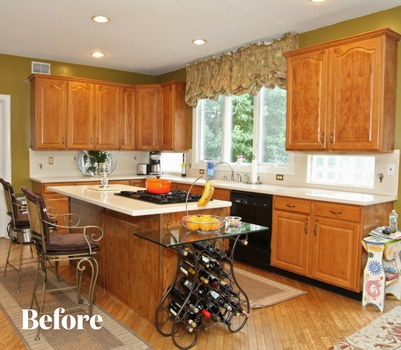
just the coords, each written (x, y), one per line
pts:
(154, 36)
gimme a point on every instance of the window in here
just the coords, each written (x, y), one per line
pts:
(341, 170)
(243, 125)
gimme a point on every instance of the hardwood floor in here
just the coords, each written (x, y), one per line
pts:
(313, 321)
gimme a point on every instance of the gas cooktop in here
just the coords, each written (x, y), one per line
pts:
(175, 196)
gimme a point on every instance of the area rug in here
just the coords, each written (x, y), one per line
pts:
(263, 292)
(112, 335)
(382, 333)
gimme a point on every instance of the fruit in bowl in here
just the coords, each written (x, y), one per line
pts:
(203, 223)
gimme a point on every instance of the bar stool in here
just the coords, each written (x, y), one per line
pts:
(18, 230)
(79, 244)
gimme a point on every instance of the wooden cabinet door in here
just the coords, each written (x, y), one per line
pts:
(81, 115)
(306, 101)
(356, 80)
(49, 113)
(290, 241)
(107, 117)
(175, 118)
(149, 124)
(336, 252)
(127, 118)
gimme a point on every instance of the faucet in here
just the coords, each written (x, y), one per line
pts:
(239, 179)
(232, 170)
(246, 177)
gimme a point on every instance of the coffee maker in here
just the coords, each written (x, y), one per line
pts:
(154, 160)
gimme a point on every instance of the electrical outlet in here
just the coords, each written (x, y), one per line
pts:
(51, 160)
(202, 171)
(279, 177)
(390, 169)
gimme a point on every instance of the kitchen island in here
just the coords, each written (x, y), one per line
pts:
(135, 270)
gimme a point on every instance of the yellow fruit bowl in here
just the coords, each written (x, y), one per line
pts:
(203, 223)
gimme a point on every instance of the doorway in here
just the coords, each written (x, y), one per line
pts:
(5, 160)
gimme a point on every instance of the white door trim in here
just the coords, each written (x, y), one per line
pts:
(5, 160)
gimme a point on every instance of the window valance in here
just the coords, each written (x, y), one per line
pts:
(244, 71)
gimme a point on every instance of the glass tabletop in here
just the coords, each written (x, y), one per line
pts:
(176, 236)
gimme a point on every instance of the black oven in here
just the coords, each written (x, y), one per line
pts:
(254, 208)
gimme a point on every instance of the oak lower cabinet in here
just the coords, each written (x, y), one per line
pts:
(341, 95)
(322, 240)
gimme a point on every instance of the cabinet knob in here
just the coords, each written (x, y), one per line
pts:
(306, 227)
(331, 138)
(322, 137)
(315, 230)
(123, 142)
(62, 141)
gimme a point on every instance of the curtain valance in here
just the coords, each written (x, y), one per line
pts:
(244, 71)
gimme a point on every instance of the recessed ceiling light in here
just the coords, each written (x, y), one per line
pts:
(100, 19)
(199, 41)
(97, 54)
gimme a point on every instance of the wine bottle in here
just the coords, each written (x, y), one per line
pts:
(213, 250)
(180, 297)
(227, 288)
(183, 166)
(217, 314)
(219, 299)
(188, 269)
(216, 267)
(237, 309)
(202, 259)
(175, 308)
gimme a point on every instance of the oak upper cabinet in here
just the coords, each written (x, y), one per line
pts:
(341, 95)
(107, 117)
(127, 118)
(175, 117)
(81, 115)
(93, 116)
(148, 125)
(49, 112)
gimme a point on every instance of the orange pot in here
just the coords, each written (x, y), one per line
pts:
(158, 186)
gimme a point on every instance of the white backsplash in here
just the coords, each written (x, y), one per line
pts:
(64, 164)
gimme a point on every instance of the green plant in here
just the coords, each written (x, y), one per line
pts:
(98, 156)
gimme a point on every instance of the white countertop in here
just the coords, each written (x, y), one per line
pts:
(363, 199)
(132, 207)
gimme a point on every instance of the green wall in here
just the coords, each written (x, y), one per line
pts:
(14, 73)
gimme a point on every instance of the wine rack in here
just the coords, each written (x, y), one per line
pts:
(204, 291)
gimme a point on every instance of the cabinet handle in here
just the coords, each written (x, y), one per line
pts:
(290, 205)
(91, 141)
(97, 141)
(331, 137)
(322, 137)
(123, 141)
(306, 227)
(336, 212)
(62, 141)
(315, 230)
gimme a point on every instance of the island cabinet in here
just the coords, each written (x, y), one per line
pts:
(59, 203)
(148, 102)
(175, 117)
(322, 240)
(341, 95)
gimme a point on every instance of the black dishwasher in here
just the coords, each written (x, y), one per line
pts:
(254, 208)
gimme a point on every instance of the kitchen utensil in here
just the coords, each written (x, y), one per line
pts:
(142, 168)
(158, 186)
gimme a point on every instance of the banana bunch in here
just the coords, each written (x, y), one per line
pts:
(207, 194)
